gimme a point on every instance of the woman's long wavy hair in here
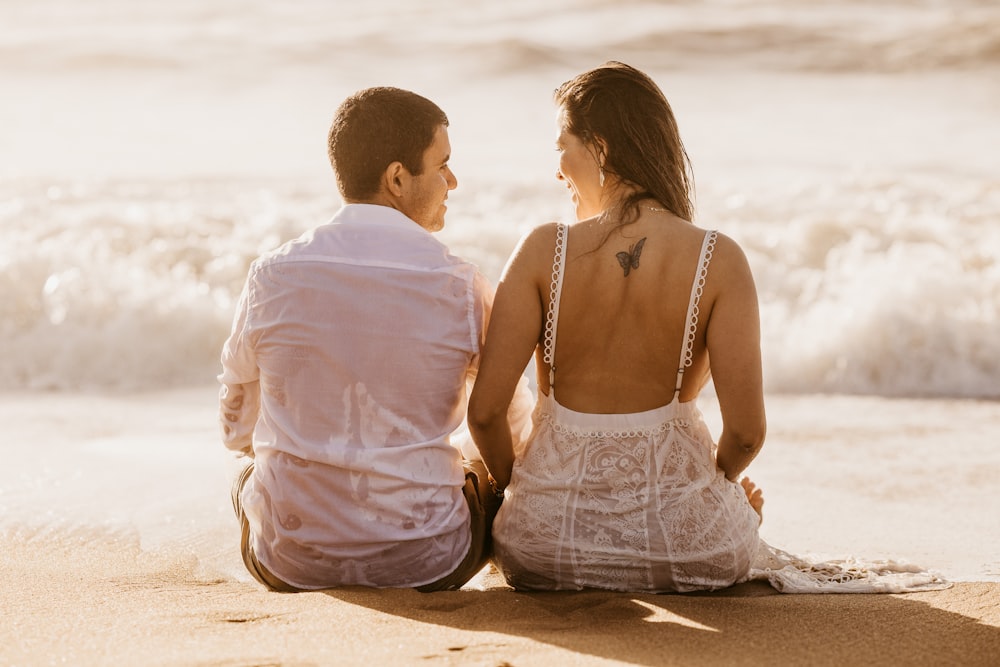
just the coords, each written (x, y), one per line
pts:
(624, 107)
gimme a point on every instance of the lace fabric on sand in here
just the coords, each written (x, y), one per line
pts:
(636, 502)
(789, 573)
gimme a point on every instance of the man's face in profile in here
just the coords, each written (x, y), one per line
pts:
(426, 194)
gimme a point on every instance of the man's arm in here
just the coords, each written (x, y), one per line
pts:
(239, 396)
(239, 405)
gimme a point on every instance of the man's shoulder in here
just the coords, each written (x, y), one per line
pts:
(376, 236)
(287, 250)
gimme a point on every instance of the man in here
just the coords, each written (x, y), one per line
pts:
(347, 370)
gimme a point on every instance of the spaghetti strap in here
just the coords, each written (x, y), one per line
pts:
(552, 317)
(691, 321)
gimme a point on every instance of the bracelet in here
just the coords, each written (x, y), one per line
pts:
(497, 491)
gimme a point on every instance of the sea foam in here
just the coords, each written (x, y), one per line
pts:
(150, 158)
(889, 288)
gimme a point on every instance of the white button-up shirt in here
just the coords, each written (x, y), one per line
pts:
(347, 372)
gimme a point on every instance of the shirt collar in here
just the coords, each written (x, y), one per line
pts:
(376, 215)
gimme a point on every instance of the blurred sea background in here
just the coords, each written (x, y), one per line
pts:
(149, 151)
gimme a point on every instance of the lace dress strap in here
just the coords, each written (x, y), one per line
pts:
(552, 317)
(691, 328)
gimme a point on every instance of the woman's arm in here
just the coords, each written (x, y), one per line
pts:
(514, 329)
(733, 341)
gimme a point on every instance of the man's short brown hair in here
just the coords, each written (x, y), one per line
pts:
(375, 127)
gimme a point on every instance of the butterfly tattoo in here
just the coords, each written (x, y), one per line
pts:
(630, 260)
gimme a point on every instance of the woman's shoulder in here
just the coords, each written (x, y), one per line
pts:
(534, 253)
(539, 242)
(544, 232)
(722, 246)
(728, 249)
(728, 260)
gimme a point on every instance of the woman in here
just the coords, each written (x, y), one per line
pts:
(620, 485)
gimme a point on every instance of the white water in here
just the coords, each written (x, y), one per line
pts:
(151, 150)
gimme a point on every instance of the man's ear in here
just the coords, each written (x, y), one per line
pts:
(394, 179)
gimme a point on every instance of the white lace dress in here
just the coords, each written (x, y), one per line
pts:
(630, 502)
(636, 502)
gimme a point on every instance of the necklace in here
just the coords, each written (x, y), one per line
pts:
(648, 208)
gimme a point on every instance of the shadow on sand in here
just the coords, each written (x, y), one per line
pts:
(748, 624)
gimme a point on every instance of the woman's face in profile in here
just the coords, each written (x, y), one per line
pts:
(579, 170)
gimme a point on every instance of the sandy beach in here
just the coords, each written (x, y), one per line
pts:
(120, 549)
(152, 150)
(99, 610)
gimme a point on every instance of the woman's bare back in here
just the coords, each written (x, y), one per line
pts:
(622, 314)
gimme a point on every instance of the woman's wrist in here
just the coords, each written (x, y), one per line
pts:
(495, 487)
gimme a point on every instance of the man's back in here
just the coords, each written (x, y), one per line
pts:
(361, 334)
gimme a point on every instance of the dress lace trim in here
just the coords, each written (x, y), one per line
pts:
(558, 427)
(697, 289)
(552, 316)
(789, 573)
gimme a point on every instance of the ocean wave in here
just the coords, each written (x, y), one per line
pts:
(867, 286)
(218, 37)
(845, 43)
(877, 286)
(127, 285)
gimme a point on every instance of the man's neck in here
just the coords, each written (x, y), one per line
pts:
(382, 200)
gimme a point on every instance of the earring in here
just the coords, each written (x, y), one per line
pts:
(602, 177)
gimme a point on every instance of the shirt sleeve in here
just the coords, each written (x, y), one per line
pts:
(239, 396)
(483, 293)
